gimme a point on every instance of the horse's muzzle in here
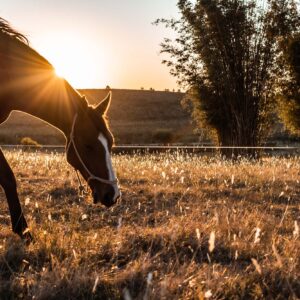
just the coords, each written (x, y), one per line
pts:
(108, 198)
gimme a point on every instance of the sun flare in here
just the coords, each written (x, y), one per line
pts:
(60, 72)
(74, 58)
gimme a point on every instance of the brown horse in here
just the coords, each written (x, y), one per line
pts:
(28, 83)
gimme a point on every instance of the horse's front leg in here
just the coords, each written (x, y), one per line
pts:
(8, 182)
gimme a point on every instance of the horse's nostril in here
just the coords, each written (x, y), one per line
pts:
(108, 197)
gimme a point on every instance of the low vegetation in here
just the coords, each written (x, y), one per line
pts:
(187, 227)
(28, 141)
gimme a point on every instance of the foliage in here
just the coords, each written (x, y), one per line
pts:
(28, 141)
(225, 55)
(289, 99)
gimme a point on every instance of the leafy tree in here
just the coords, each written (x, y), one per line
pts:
(289, 100)
(225, 55)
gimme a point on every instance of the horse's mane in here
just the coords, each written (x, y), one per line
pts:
(21, 41)
(6, 29)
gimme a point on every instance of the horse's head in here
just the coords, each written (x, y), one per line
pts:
(89, 149)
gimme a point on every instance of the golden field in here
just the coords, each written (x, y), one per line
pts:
(187, 227)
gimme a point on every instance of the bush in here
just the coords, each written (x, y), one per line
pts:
(163, 136)
(27, 141)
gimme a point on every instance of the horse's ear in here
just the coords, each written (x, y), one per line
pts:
(103, 106)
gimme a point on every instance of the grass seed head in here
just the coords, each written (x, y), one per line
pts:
(211, 242)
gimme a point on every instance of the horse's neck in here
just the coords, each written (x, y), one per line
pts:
(57, 106)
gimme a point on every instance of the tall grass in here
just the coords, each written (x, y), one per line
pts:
(187, 227)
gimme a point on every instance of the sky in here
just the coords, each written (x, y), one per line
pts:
(95, 43)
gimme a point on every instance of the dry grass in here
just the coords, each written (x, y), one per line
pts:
(187, 228)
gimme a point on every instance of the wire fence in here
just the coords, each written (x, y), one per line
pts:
(144, 149)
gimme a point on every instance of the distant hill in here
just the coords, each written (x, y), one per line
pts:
(136, 117)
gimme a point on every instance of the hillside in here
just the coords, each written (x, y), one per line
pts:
(135, 116)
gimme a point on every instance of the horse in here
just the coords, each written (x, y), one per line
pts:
(28, 83)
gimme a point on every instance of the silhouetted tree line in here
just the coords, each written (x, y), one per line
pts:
(230, 58)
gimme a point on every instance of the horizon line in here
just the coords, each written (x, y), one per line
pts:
(134, 89)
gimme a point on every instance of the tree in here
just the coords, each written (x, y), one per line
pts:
(225, 56)
(289, 99)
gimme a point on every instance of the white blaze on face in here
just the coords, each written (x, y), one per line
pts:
(111, 173)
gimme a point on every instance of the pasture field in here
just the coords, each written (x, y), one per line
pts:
(135, 117)
(187, 227)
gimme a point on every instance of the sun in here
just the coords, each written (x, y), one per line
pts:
(60, 72)
(74, 58)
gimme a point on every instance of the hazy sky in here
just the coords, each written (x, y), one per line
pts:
(95, 43)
